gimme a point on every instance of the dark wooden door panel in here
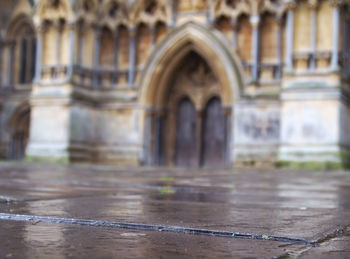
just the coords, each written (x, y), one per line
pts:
(214, 138)
(186, 135)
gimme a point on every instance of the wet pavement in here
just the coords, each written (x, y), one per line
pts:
(55, 211)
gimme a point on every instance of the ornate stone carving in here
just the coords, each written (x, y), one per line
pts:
(53, 10)
(150, 12)
(235, 8)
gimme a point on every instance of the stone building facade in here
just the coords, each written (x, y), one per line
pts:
(208, 83)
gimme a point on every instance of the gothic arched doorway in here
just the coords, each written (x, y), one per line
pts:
(190, 62)
(190, 131)
(19, 133)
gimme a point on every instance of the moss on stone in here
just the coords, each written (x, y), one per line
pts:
(311, 165)
(46, 160)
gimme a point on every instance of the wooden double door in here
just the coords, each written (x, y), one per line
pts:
(201, 138)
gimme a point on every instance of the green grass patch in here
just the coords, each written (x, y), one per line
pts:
(311, 166)
(166, 190)
(46, 160)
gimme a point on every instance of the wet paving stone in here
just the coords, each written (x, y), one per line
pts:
(28, 240)
(305, 205)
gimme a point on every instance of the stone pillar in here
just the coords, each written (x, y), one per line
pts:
(200, 121)
(153, 36)
(132, 56)
(279, 49)
(80, 45)
(148, 139)
(12, 64)
(97, 44)
(60, 28)
(1, 61)
(255, 20)
(335, 36)
(210, 12)
(39, 51)
(234, 33)
(115, 57)
(289, 39)
(71, 50)
(228, 136)
(156, 138)
(313, 29)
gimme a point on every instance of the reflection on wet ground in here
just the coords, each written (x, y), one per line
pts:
(312, 206)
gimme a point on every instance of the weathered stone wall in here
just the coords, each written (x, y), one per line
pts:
(256, 132)
(105, 135)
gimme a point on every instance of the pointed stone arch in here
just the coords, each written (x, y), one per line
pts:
(54, 10)
(21, 31)
(156, 80)
(167, 55)
(115, 13)
(16, 25)
(19, 125)
(150, 12)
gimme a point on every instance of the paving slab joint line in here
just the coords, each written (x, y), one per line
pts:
(338, 232)
(152, 227)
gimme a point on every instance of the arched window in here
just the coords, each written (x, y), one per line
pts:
(19, 124)
(244, 40)
(25, 54)
(143, 38)
(107, 49)
(302, 25)
(123, 48)
(160, 31)
(268, 39)
(223, 24)
(244, 31)
(270, 48)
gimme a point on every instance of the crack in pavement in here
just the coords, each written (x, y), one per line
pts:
(335, 233)
(152, 227)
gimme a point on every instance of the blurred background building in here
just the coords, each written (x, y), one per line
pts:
(163, 82)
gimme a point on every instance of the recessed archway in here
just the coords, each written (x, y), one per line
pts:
(211, 58)
(19, 133)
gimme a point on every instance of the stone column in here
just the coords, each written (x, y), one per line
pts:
(39, 51)
(1, 61)
(228, 136)
(335, 36)
(60, 29)
(279, 49)
(313, 29)
(80, 45)
(147, 141)
(200, 121)
(210, 12)
(290, 38)
(71, 50)
(255, 20)
(173, 15)
(156, 139)
(132, 56)
(98, 32)
(12, 63)
(115, 56)
(234, 33)
(153, 36)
